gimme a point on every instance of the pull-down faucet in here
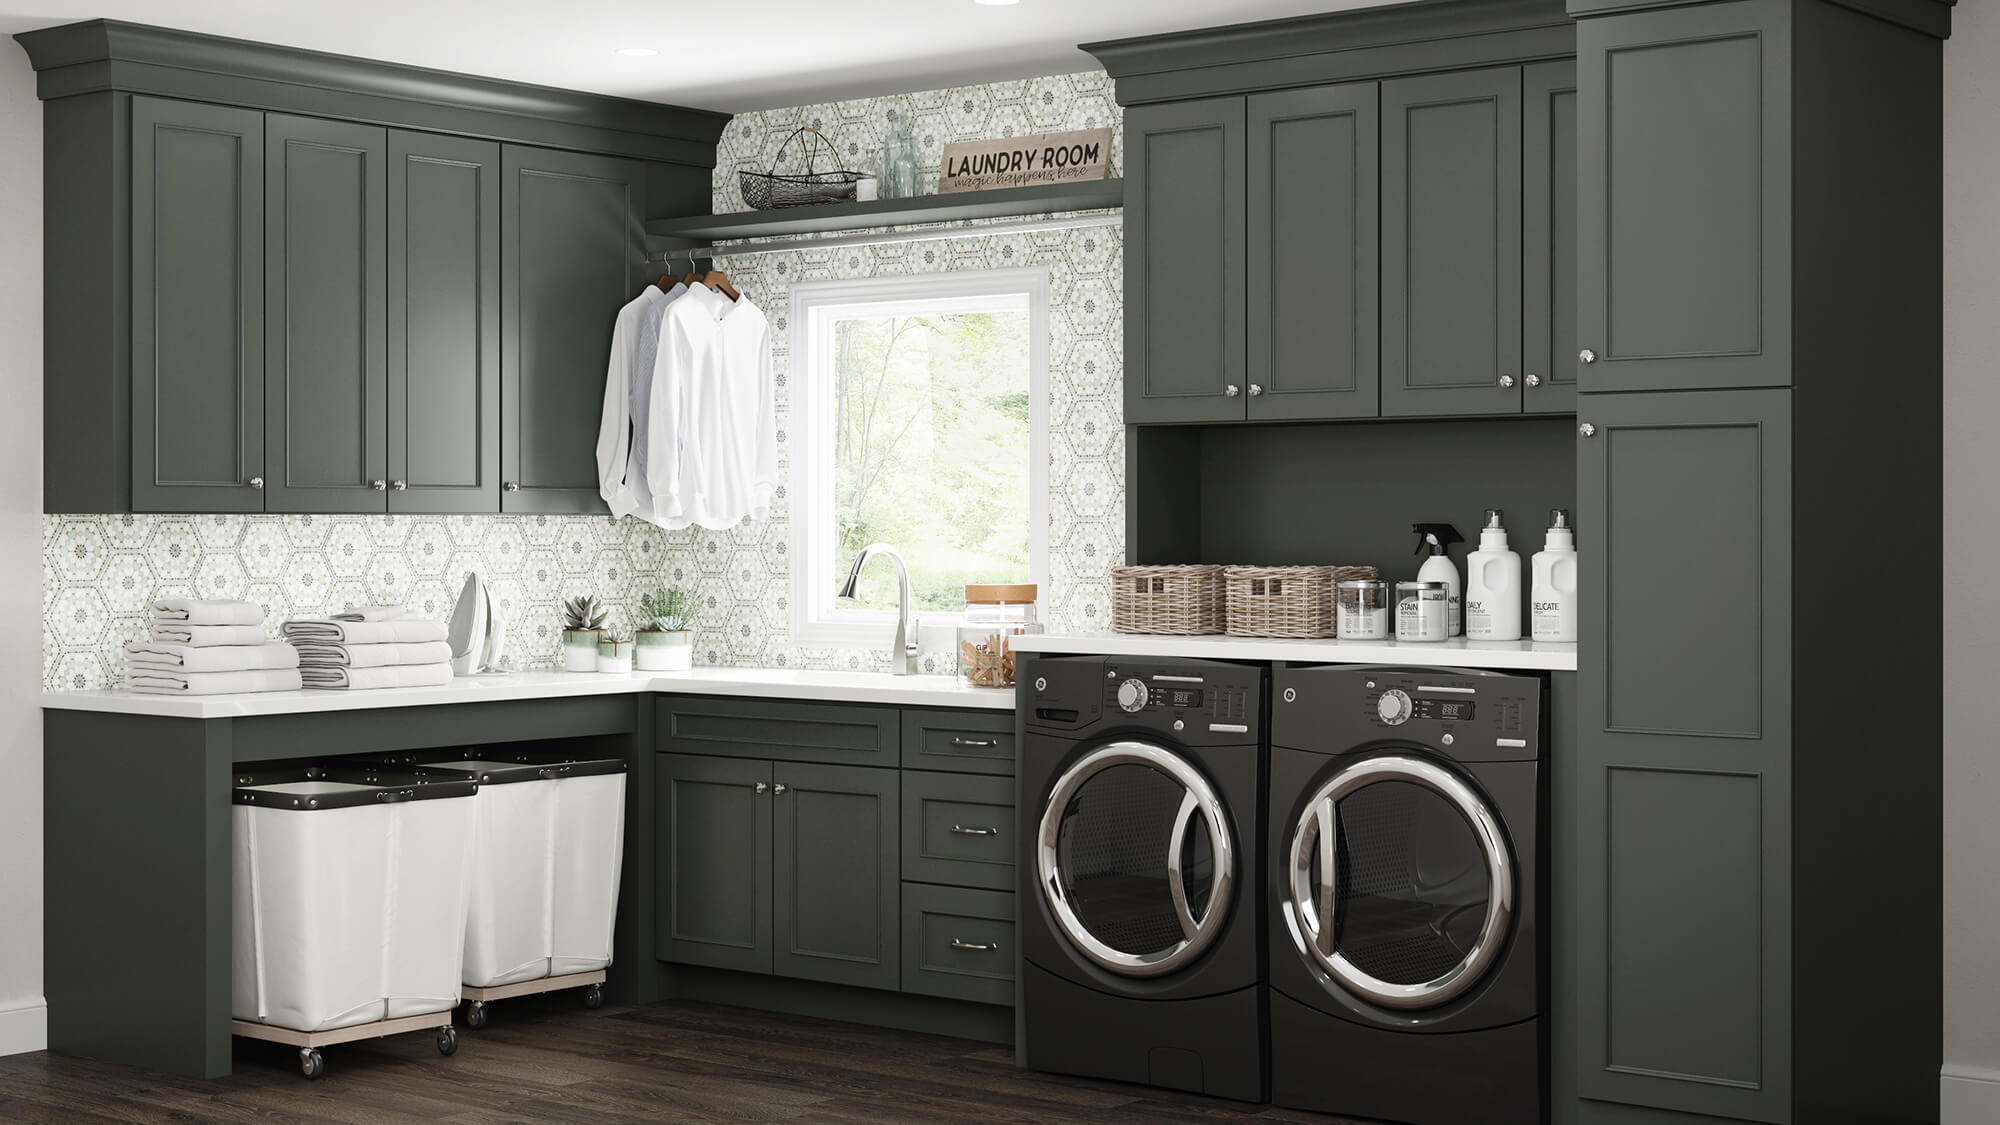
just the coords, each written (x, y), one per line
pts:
(903, 649)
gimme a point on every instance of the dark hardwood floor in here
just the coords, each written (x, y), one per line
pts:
(546, 1059)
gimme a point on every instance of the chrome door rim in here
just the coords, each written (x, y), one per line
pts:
(1309, 909)
(1196, 934)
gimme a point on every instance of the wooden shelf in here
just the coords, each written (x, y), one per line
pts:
(999, 203)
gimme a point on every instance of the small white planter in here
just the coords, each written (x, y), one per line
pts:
(664, 652)
(614, 656)
(580, 649)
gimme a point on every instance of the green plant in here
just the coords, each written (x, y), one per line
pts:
(611, 637)
(583, 614)
(670, 609)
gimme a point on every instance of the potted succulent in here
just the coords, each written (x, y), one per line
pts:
(613, 653)
(666, 640)
(583, 627)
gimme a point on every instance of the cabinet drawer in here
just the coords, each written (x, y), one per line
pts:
(958, 829)
(786, 732)
(960, 741)
(958, 943)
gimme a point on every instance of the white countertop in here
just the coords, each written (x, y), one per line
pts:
(1455, 653)
(766, 683)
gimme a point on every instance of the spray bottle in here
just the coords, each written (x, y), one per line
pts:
(1493, 585)
(1437, 539)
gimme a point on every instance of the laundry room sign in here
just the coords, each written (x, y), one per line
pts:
(1046, 158)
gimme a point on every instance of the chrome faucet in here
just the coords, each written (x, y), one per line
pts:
(903, 649)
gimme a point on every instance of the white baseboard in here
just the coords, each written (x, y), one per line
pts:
(24, 1029)
(1968, 1096)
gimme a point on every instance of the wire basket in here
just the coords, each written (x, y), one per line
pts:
(765, 191)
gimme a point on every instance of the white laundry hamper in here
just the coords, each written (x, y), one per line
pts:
(348, 900)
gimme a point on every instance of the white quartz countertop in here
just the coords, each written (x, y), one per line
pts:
(1455, 653)
(765, 683)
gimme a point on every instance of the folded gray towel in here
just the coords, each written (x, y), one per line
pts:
(382, 655)
(402, 630)
(394, 676)
(372, 613)
(162, 682)
(197, 611)
(160, 656)
(203, 636)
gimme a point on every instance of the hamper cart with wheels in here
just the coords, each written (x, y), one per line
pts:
(348, 905)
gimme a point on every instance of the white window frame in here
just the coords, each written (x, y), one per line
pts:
(814, 308)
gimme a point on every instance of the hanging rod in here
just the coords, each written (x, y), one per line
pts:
(878, 238)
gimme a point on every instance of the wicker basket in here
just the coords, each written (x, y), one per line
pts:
(1286, 601)
(1181, 600)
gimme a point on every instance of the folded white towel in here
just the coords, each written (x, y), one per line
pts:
(196, 611)
(163, 682)
(372, 613)
(403, 630)
(203, 636)
(159, 655)
(373, 656)
(394, 676)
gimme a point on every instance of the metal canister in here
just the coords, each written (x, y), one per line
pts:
(1423, 611)
(1361, 610)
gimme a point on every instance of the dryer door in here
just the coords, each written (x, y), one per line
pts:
(1136, 859)
(1401, 884)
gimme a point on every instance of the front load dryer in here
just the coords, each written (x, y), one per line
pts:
(1141, 918)
(1408, 979)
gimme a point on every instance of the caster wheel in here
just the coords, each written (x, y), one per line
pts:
(447, 1041)
(475, 1015)
(593, 997)
(311, 1064)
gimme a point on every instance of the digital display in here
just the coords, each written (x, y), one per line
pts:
(1446, 710)
(1182, 699)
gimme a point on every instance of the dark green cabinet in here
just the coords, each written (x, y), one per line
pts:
(1548, 238)
(714, 864)
(571, 253)
(1685, 166)
(325, 315)
(835, 908)
(197, 360)
(1185, 298)
(1451, 243)
(1314, 284)
(444, 324)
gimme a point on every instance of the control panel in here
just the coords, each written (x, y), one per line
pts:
(1185, 699)
(1468, 713)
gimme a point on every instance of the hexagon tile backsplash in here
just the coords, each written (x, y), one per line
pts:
(99, 572)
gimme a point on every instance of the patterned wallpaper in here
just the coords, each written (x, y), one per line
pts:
(99, 572)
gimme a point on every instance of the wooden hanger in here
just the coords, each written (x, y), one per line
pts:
(719, 281)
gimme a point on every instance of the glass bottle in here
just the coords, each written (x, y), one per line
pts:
(899, 159)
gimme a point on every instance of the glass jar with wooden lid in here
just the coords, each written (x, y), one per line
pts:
(994, 613)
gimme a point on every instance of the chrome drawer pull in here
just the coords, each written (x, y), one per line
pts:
(974, 946)
(976, 743)
(964, 831)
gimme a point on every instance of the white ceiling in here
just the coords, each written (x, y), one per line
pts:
(731, 56)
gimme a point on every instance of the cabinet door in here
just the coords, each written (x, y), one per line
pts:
(444, 324)
(1184, 262)
(572, 244)
(1314, 296)
(835, 901)
(1548, 238)
(1683, 812)
(325, 315)
(714, 864)
(1451, 243)
(197, 307)
(1685, 232)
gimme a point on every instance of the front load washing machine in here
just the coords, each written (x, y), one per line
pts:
(1408, 978)
(1142, 934)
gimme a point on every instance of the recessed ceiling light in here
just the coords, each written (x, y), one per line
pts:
(645, 52)
(997, 3)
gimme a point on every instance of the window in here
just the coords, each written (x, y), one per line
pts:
(918, 411)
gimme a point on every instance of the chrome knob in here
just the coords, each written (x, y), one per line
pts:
(378, 485)
(512, 486)
(1232, 390)
(1393, 707)
(1131, 696)
(1255, 390)
(1587, 430)
(1586, 356)
(399, 485)
(1534, 380)
(256, 482)
(760, 788)
(1506, 381)
(779, 789)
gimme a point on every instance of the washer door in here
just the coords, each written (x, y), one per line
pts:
(1130, 884)
(1401, 885)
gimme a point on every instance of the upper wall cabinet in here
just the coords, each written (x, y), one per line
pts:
(1686, 238)
(1548, 238)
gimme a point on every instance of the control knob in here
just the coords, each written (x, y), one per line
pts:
(1131, 696)
(1394, 707)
